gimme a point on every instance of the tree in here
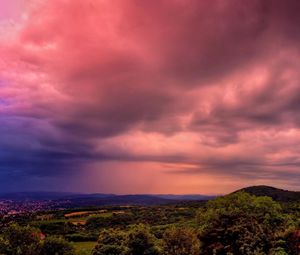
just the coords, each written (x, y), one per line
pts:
(140, 241)
(111, 242)
(19, 240)
(180, 241)
(241, 224)
(56, 246)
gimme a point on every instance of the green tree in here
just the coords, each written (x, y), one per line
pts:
(57, 246)
(19, 240)
(241, 224)
(111, 242)
(180, 241)
(140, 241)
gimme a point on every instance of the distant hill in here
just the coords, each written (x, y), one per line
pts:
(195, 197)
(118, 200)
(275, 193)
(98, 199)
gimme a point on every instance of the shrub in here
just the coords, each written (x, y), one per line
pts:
(180, 241)
(111, 242)
(56, 246)
(19, 240)
(140, 241)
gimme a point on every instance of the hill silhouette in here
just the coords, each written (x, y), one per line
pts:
(276, 194)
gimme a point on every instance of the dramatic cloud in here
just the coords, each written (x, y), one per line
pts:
(184, 94)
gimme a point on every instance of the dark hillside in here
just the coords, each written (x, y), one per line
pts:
(275, 193)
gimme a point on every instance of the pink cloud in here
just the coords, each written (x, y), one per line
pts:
(203, 84)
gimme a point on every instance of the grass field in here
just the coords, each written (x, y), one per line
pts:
(74, 214)
(84, 248)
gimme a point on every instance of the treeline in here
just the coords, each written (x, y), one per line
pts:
(238, 224)
(154, 216)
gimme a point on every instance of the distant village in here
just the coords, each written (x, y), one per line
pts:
(11, 208)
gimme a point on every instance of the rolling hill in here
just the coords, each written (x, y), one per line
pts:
(73, 200)
(276, 194)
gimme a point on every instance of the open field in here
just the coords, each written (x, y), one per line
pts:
(84, 248)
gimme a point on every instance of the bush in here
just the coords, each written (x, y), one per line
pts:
(140, 241)
(111, 242)
(57, 246)
(57, 228)
(19, 240)
(180, 241)
(137, 241)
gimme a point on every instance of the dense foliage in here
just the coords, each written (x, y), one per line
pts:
(243, 224)
(237, 224)
(279, 195)
(182, 241)
(56, 246)
(111, 242)
(17, 240)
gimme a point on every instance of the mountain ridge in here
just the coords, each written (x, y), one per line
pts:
(276, 194)
(41, 195)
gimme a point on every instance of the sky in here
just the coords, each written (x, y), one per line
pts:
(138, 96)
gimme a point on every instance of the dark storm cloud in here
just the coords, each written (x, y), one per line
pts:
(81, 72)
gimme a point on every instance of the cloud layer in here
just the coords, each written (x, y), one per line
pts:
(191, 92)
